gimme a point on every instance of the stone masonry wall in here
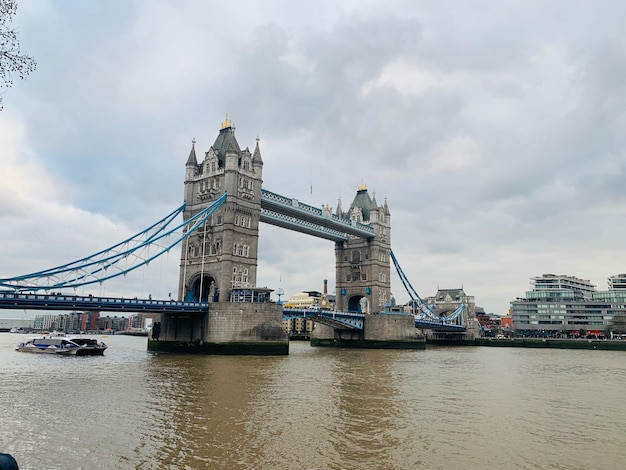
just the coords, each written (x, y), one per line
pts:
(389, 327)
(241, 322)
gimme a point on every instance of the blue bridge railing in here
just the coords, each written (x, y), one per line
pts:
(14, 300)
(355, 320)
(352, 321)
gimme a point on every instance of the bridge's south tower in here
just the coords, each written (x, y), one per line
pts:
(362, 266)
(223, 255)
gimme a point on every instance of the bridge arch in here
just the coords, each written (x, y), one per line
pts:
(202, 287)
(359, 304)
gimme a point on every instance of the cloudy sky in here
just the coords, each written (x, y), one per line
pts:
(496, 131)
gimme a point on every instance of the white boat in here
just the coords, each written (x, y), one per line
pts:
(19, 329)
(63, 345)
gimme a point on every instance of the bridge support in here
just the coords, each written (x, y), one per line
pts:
(229, 328)
(380, 331)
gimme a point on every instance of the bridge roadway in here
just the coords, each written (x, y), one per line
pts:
(355, 320)
(62, 302)
(19, 301)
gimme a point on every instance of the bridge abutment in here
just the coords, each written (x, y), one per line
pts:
(230, 328)
(380, 331)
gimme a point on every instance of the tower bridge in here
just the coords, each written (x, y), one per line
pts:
(219, 309)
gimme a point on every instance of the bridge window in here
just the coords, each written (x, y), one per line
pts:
(382, 277)
(240, 277)
(241, 250)
(245, 183)
(356, 256)
(364, 276)
(243, 221)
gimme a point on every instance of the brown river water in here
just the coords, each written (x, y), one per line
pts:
(318, 408)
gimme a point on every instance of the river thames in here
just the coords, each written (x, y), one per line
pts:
(318, 408)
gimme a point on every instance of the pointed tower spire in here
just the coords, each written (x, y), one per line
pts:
(192, 160)
(256, 157)
(374, 203)
(339, 212)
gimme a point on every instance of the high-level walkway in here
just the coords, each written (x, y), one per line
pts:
(292, 214)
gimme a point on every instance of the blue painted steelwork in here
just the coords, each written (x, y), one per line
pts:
(303, 226)
(355, 320)
(280, 210)
(15, 300)
(429, 325)
(118, 260)
(426, 318)
(352, 321)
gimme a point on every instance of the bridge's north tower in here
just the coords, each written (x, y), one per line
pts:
(222, 255)
(363, 271)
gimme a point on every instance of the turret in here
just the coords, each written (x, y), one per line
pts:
(192, 162)
(257, 161)
(191, 172)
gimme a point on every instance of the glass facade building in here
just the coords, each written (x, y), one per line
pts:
(565, 306)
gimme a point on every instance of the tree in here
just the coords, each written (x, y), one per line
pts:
(12, 61)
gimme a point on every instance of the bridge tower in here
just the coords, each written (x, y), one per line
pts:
(222, 255)
(221, 258)
(362, 266)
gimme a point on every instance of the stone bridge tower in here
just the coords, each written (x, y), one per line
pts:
(223, 255)
(363, 272)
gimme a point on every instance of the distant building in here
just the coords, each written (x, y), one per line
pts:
(113, 323)
(506, 324)
(446, 301)
(490, 323)
(73, 321)
(298, 328)
(304, 300)
(566, 306)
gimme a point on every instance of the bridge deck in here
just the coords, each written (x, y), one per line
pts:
(18, 301)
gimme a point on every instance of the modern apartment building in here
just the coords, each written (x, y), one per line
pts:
(566, 306)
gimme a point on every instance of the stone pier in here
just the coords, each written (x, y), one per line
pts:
(229, 328)
(380, 331)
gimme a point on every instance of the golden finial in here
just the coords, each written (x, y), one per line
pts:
(226, 123)
(362, 187)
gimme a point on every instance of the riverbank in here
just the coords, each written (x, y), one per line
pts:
(599, 344)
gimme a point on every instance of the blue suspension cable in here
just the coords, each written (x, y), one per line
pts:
(78, 274)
